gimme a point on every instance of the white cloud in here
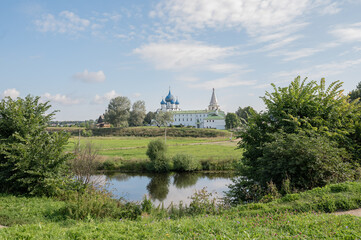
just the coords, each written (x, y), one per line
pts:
(90, 77)
(331, 9)
(11, 92)
(106, 97)
(252, 15)
(177, 56)
(321, 70)
(304, 52)
(348, 33)
(230, 81)
(65, 22)
(61, 99)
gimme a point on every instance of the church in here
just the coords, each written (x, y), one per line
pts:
(212, 117)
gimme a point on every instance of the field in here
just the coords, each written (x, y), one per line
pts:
(131, 151)
(300, 216)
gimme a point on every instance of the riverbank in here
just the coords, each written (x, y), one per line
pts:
(129, 153)
(302, 215)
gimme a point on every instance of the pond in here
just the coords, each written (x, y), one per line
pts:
(165, 188)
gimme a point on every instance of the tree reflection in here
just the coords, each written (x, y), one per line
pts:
(158, 187)
(184, 180)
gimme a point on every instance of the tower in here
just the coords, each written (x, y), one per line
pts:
(213, 105)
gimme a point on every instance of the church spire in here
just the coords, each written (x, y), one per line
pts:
(213, 105)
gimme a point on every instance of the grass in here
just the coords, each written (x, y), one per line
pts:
(280, 219)
(129, 153)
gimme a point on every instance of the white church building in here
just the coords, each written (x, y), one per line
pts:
(212, 117)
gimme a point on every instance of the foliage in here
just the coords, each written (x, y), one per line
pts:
(292, 216)
(163, 119)
(153, 132)
(149, 117)
(118, 112)
(84, 164)
(356, 93)
(203, 202)
(185, 163)
(97, 203)
(232, 121)
(32, 161)
(308, 133)
(157, 154)
(244, 113)
(137, 114)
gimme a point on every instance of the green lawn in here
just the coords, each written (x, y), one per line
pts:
(134, 148)
(300, 216)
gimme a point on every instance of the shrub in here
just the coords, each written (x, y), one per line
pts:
(84, 164)
(32, 160)
(95, 203)
(309, 133)
(157, 154)
(185, 163)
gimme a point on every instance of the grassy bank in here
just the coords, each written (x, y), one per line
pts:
(302, 215)
(129, 153)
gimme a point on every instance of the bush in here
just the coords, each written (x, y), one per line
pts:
(309, 133)
(94, 203)
(185, 163)
(157, 154)
(32, 160)
(308, 161)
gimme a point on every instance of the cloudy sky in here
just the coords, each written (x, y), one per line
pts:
(80, 54)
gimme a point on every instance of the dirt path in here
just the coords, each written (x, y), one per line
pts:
(1, 226)
(355, 212)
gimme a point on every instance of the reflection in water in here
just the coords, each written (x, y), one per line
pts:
(158, 186)
(184, 180)
(165, 188)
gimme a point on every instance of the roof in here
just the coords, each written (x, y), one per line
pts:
(216, 116)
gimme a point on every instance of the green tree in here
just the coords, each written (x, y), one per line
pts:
(297, 117)
(232, 121)
(137, 114)
(32, 160)
(118, 112)
(244, 113)
(163, 119)
(149, 117)
(356, 93)
(156, 152)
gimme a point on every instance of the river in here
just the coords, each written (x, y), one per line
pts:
(165, 188)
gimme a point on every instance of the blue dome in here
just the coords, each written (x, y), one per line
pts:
(172, 101)
(162, 102)
(169, 97)
(177, 102)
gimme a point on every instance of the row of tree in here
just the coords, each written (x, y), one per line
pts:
(120, 113)
(239, 118)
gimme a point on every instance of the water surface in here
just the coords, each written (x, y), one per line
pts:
(165, 188)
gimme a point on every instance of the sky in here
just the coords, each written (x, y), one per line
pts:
(80, 54)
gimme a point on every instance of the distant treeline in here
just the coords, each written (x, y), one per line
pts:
(147, 132)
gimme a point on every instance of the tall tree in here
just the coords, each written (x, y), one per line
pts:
(137, 114)
(163, 119)
(309, 134)
(232, 121)
(149, 117)
(118, 112)
(244, 113)
(356, 93)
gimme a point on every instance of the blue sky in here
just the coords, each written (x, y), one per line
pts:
(80, 54)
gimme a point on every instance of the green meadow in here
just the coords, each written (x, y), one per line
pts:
(306, 215)
(125, 153)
